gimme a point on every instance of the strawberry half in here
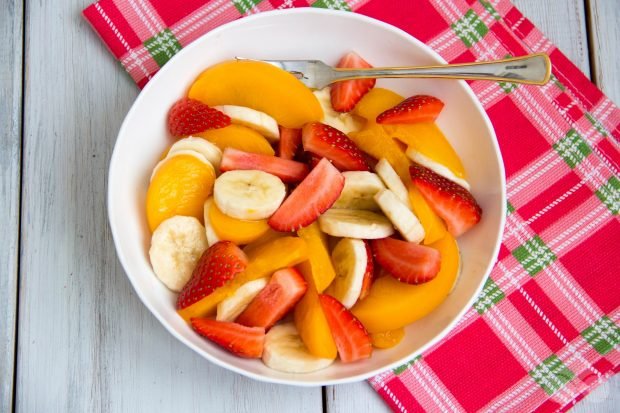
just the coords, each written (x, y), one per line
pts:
(313, 196)
(453, 203)
(419, 108)
(284, 290)
(240, 340)
(290, 141)
(408, 262)
(189, 116)
(347, 93)
(369, 275)
(288, 171)
(328, 142)
(352, 339)
(217, 265)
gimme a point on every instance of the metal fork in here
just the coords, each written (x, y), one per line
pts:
(532, 69)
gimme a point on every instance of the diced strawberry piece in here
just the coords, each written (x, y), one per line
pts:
(313, 196)
(419, 108)
(188, 116)
(328, 142)
(369, 275)
(352, 339)
(346, 94)
(311, 159)
(290, 141)
(217, 265)
(288, 171)
(240, 340)
(408, 262)
(284, 290)
(453, 203)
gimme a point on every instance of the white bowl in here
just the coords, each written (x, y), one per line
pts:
(304, 34)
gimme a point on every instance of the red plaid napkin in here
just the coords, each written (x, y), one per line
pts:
(544, 331)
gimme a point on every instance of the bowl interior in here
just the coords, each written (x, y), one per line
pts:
(294, 34)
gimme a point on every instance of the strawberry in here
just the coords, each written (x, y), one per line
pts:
(347, 93)
(419, 108)
(240, 340)
(369, 275)
(285, 288)
(453, 203)
(290, 141)
(313, 196)
(217, 265)
(408, 262)
(352, 339)
(188, 116)
(288, 171)
(328, 142)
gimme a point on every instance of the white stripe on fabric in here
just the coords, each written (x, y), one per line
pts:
(439, 387)
(428, 390)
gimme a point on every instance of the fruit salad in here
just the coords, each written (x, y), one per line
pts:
(304, 226)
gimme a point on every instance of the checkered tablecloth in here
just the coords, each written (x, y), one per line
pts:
(544, 331)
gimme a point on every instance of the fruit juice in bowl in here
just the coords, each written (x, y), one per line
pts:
(308, 237)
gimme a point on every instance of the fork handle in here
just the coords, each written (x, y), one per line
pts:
(532, 69)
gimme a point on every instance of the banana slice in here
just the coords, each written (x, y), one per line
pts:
(259, 121)
(436, 167)
(359, 189)
(212, 153)
(284, 351)
(344, 122)
(250, 194)
(392, 181)
(176, 246)
(179, 152)
(212, 237)
(350, 260)
(403, 219)
(230, 308)
(353, 223)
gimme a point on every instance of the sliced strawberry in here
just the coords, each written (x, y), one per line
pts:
(347, 93)
(419, 108)
(313, 196)
(217, 265)
(290, 141)
(328, 142)
(188, 116)
(288, 171)
(284, 290)
(369, 275)
(453, 203)
(408, 262)
(352, 339)
(240, 340)
(311, 159)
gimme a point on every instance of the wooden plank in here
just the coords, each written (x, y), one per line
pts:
(605, 399)
(11, 32)
(605, 43)
(564, 23)
(354, 397)
(86, 343)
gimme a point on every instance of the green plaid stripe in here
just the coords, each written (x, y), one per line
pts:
(163, 46)
(398, 370)
(507, 87)
(245, 6)
(332, 4)
(510, 208)
(603, 335)
(609, 194)
(597, 125)
(534, 255)
(491, 295)
(551, 374)
(572, 148)
(470, 29)
(489, 7)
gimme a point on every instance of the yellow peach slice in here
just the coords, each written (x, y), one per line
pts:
(239, 231)
(238, 137)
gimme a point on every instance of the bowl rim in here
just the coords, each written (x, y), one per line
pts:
(256, 376)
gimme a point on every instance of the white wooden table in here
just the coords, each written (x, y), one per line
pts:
(73, 335)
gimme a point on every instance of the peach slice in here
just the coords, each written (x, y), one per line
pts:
(238, 137)
(239, 231)
(321, 267)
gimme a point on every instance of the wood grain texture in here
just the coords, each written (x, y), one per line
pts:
(11, 32)
(86, 343)
(564, 23)
(354, 397)
(605, 41)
